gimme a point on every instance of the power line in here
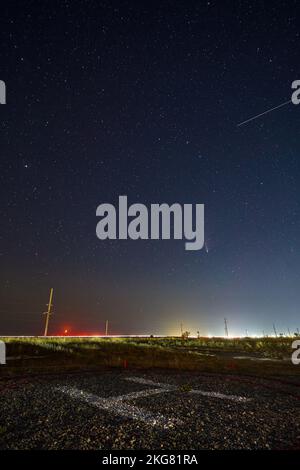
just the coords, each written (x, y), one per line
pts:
(226, 327)
(48, 313)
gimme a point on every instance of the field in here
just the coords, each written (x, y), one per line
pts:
(254, 355)
(149, 393)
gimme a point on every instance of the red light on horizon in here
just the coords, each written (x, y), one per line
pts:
(80, 334)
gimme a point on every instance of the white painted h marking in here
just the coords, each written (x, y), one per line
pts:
(120, 406)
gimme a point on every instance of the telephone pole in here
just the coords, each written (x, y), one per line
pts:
(275, 331)
(48, 313)
(226, 327)
(106, 327)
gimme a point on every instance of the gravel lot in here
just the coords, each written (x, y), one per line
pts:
(165, 410)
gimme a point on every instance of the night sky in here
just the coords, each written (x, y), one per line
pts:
(109, 98)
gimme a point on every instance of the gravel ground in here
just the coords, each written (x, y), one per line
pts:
(86, 412)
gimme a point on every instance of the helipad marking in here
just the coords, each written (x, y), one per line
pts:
(168, 387)
(118, 405)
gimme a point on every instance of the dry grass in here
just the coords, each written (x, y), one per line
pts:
(212, 355)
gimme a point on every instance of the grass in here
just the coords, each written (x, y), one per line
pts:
(204, 354)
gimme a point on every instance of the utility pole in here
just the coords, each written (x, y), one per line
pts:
(48, 313)
(106, 327)
(226, 327)
(181, 329)
(274, 328)
(289, 332)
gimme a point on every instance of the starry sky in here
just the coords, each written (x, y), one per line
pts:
(106, 98)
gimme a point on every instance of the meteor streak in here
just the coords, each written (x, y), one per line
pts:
(265, 112)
